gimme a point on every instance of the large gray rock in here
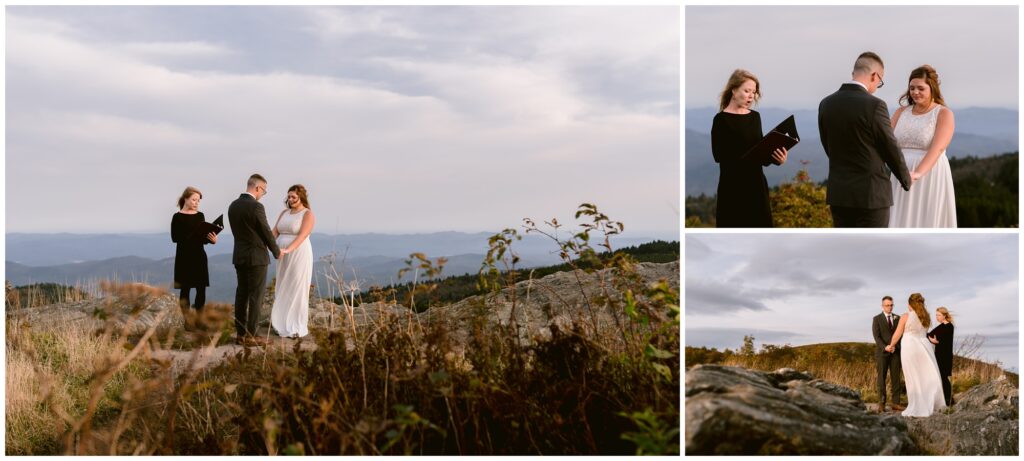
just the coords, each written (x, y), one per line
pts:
(564, 300)
(983, 421)
(735, 411)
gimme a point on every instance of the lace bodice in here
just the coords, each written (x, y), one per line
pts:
(914, 327)
(290, 223)
(916, 131)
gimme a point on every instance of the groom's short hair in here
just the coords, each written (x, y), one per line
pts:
(886, 297)
(255, 180)
(864, 62)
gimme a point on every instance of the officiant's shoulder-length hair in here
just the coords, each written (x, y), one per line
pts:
(738, 77)
(931, 77)
(299, 190)
(185, 196)
(916, 302)
(945, 313)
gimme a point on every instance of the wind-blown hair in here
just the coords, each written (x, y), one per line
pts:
(738, 77)
(916, 302)
(945, 313)
(185, 195)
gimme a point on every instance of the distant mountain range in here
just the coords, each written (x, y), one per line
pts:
(980, 132)
(373, 259)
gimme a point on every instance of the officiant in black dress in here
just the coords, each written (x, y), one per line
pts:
(191, 269)
(742, 187)
(942, 338)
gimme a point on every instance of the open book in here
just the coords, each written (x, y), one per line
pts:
(783, 135)
(205, 228)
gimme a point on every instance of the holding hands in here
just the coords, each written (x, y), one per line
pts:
(890, 349)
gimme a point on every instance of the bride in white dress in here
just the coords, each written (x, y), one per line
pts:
(917, 354)
(923, 131)
(290, 314)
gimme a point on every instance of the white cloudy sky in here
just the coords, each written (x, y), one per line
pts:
(400, 119)
(815, 288)
(803, 53)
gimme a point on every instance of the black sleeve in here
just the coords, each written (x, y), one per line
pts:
(821, 129)
(877, 333)
(887, 146)
(718, 141)
(177, 229)
(263, 229)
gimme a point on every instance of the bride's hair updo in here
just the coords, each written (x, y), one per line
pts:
(931, 77)
(299, 190)
(916, 302)
(945, 313)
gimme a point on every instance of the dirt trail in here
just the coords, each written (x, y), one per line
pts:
(208, 357)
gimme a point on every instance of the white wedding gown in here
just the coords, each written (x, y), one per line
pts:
(930, 201)
(290, 314)
(920, 370)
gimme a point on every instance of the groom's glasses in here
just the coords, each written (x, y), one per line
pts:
(880, 82)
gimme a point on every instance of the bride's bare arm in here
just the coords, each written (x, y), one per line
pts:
(943, 135)
(308, 220)
(276, 235)
(899, 330)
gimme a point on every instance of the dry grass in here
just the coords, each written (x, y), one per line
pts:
(852, 364)
(396, 384)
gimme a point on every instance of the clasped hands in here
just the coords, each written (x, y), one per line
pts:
(890, 348)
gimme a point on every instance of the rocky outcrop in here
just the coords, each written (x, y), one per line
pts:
(563, 300)
(735, 411)
(983, 421)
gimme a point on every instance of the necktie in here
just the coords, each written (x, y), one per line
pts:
(890, 321)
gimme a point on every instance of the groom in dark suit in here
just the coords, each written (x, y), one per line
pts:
(248, 221)
(857, 136)
(882, 327)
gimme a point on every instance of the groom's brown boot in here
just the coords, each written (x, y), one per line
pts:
(898, 407)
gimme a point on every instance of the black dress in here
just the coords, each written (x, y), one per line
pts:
(742, 187)
(943, 333)
(190, 265)
(944, 349)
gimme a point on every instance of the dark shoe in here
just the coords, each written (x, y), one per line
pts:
(896, 407)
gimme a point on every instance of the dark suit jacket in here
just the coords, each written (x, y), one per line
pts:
(944, 349)
(857, 136)
(882, 333)
(248, 221)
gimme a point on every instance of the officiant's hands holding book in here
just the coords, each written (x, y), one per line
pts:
(212, 237)
(779, 156)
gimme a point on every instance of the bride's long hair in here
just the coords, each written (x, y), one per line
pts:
(916, 302)
(931, 77)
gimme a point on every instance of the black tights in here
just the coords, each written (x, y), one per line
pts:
(200, 297)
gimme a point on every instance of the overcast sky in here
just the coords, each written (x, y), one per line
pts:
(401, 119)
(811, 288)
(803, 53)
